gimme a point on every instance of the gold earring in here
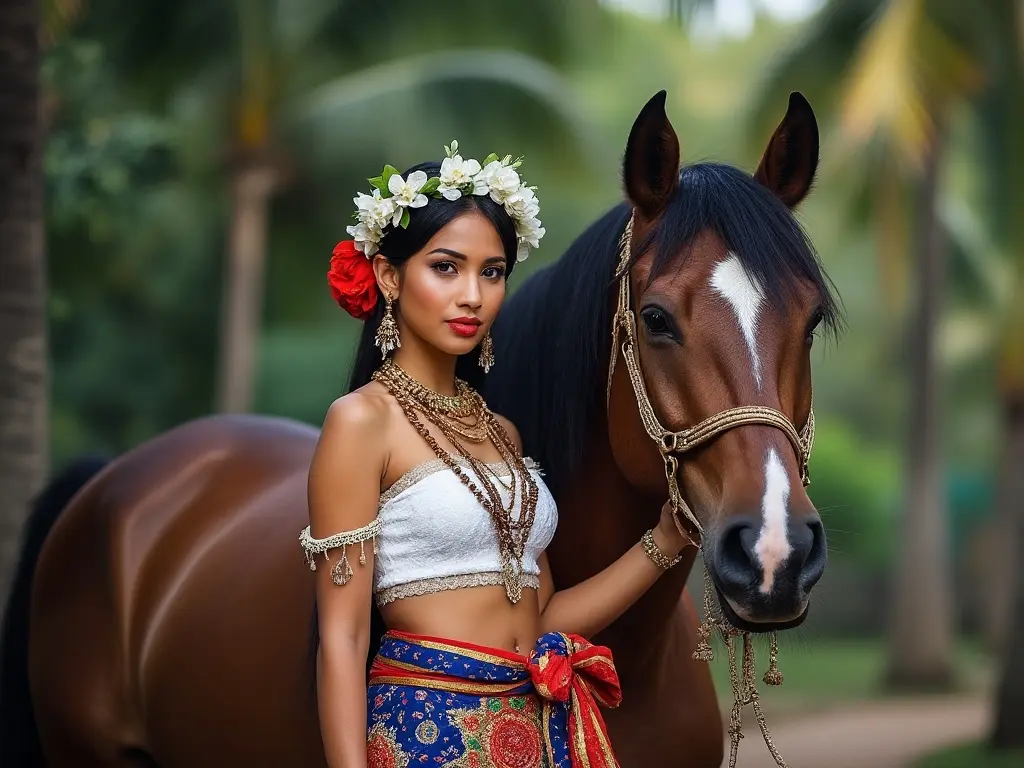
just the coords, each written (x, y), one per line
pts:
(387, 334)
(487, 353)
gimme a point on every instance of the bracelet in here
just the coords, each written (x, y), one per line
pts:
(652, 551)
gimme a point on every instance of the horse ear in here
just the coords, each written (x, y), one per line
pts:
(791, 159)
(650, 169)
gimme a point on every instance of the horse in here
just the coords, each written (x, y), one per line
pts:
(163, 604)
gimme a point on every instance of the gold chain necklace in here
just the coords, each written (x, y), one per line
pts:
(445, 412)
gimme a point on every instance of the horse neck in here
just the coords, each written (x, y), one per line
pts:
(601, 515)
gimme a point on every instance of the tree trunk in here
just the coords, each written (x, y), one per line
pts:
(920, 648)
(243, 287)
(1009, 704)
(1005, 142)
(23, 378)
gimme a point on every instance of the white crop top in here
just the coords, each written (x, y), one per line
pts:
(435, 535)
(431, 534)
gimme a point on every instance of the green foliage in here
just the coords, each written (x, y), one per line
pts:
(126, 246)
(855, 486)
(975, 755)
(821, 671)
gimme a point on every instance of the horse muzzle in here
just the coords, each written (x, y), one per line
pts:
(764, 578)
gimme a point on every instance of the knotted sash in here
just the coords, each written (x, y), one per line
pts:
(570, 676)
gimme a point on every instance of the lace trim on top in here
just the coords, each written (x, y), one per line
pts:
(442, 583)
(427, 468)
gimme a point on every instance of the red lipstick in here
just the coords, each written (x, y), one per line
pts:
(464, 326)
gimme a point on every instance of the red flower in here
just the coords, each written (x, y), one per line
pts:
(352, 281)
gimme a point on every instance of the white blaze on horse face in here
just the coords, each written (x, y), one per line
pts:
(772, 546)
(731, 281)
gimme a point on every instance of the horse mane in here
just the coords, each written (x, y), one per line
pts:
(552, 336)
(549, 343)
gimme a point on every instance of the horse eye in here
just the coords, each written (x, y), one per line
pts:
(656, 321)
(813, 327)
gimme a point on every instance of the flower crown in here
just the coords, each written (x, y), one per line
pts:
(393, 197)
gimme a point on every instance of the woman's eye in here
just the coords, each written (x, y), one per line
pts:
(656, 322)
(445, 267)
(494, 273)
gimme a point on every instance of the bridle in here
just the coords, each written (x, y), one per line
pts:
(672, 444)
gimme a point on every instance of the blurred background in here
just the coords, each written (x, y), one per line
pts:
(199, 161)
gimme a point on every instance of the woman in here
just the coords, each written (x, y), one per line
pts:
(420, 498)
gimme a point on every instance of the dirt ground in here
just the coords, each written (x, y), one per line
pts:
(882, 734)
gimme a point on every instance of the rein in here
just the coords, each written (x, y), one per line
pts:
(671, 445)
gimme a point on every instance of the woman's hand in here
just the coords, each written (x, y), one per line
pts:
(667, 535)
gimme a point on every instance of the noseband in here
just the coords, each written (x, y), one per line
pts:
(672, 444)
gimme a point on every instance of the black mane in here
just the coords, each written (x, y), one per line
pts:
(553, 334)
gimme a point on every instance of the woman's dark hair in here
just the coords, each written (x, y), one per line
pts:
(400, 244)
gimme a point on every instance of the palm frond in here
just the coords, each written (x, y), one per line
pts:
(509, 68)
(904, 75)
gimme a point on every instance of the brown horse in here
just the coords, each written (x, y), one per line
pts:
(165, 614)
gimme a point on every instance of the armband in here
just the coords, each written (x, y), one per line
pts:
(342, 571)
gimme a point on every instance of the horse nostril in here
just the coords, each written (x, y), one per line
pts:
(737, 562)
(815, 555)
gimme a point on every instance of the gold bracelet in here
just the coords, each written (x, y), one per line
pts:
(652, 551)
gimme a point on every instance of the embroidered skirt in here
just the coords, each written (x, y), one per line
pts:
(445, 703)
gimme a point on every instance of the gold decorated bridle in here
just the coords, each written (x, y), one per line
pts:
(671, 445)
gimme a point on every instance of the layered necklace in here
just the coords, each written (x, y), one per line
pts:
(465, 417)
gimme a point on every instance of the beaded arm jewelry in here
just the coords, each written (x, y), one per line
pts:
(653, 551)
(342, 571)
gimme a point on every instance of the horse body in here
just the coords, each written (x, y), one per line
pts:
(171, 607)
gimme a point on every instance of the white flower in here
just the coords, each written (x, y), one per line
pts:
(375, 211)
(455, 173)
(406, 193)
(482, 181)
(365, 237)
(523, 204)
(481, 184)
(498, 179)
(529, 230)
(504, 183)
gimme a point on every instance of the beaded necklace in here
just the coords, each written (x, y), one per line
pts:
(466, 416)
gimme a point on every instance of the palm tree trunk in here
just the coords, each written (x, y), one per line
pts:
(1009, 704)
(920, 649)
(23, 376)
(252, 188)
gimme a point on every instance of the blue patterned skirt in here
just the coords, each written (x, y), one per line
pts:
(444, 703)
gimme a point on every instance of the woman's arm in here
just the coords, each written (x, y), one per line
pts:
(592, 605)
(343, 493)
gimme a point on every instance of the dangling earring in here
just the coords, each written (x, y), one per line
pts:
(487, 353)
(387, 334)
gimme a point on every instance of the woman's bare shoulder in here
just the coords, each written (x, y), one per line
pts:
(349, 462)
(357, 427)
(361, 412)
